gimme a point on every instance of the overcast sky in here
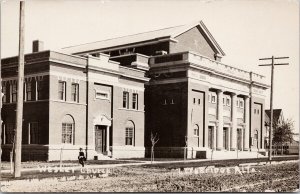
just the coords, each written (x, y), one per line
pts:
(245, 29)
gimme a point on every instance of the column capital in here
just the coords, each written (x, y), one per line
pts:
(246, 97)
(219, 91)
(233, 94)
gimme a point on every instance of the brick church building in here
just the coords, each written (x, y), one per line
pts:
(109, 96)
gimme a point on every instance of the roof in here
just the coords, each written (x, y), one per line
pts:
(276, 115)
(157, 35)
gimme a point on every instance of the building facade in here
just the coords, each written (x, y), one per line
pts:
(113, 94)
(72, 102)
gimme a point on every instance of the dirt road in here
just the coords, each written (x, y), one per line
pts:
(280, 177)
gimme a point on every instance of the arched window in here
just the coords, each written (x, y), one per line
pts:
(196, 130)
(68, 129)
(129, 133)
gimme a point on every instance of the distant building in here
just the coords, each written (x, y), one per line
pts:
(277, 117)
(109, 96)
(289, 147)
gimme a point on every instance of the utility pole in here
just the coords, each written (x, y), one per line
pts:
(271, 97)
(19, 114)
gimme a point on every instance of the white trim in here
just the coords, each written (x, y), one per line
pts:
(102, 120)
(14, 78)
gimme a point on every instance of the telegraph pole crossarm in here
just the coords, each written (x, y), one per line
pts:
(271, 97)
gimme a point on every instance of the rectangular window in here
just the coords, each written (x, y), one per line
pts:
(39, 88)
(9, 133)
(4, 94)
(228, 101)
(125, 100)
(172, 101)
(33, 133)
(135, 101)
(213, 99)
(129, 136)
(28, 91)
(67, 133)
(194, 100)
(62, 90)
(75, 92)
(102, 95)
(14, 92)
(241, 104)
(209, 97)
(165, 102)
(198, 101)
(237, 103)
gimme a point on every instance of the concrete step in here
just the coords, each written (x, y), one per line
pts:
(102, 157)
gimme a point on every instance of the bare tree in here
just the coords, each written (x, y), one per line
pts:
(154, 140)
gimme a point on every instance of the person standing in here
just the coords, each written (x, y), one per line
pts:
(81, 157)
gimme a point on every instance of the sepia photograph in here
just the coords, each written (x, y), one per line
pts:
(149, 96)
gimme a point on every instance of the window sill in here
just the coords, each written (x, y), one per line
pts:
(68, 102)
(134, 110)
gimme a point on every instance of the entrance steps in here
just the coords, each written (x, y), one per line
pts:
(93, 155)
(102, 157)
(233, 154)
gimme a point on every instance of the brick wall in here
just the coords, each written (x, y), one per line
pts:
(192, 40)
(166, 108)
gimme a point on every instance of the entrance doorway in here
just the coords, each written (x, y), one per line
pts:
(100, 138)
(210, 137)
(239, 139)
(225, 138)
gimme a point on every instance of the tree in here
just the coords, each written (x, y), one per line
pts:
(154, 140)
(283, 132)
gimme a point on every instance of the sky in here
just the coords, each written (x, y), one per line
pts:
(245, 29)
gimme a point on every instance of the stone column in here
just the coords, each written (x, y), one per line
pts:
(234, 122)
(247, 122)
(220, 119)
(107, 140)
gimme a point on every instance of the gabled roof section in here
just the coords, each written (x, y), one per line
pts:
(277, 113)
(165, 34)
